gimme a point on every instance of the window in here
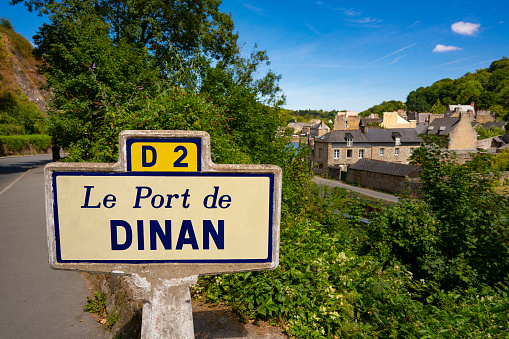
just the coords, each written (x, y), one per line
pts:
(336, 154)
(398, 141)
(396, 151)
(382, 152)
(361, 153)
(349, 153)
(349, 142)
(411, 151)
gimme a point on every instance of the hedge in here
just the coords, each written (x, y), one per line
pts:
(23, 144)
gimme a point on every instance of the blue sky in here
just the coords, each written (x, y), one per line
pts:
(355, 54)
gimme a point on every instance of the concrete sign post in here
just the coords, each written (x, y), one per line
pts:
(164, 214)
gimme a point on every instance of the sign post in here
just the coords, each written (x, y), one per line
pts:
(163, 214)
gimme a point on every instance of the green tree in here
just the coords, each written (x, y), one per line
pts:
(416, 101)
(386, 106)
(484, 133)
(470, 91)
(438, 108)
(108, 57)
(457, 233)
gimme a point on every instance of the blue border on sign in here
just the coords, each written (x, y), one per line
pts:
(131, 141)
(271, 177)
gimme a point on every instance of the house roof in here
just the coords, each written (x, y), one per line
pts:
(341, 136)
(373, 135)
(442, 126)
(463, 108)
(366, 121)
(387, 135)
(497, 124)
(421, 127)
(384, 167)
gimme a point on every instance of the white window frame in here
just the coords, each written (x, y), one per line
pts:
(349, 142)
(396, 151)
(337, 154)
(398, 141)
(361, 153)
(412, 150)
(382, 151)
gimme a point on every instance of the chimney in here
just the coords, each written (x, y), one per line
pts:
(353, 122)
(340, 122)
(465, 115)
(363, 129)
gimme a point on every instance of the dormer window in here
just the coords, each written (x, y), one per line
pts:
(349, 139)
(397, 138)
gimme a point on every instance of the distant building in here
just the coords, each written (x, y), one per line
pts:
(456, 133)
(395, 120)
(382, 175)
(349, 141)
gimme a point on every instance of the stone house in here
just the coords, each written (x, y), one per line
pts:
(341, 148)
(395, 120)
(456, 133)
(382, 175)
(313, 128)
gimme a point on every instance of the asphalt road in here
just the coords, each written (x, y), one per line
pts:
(35, 301)
(370, 193)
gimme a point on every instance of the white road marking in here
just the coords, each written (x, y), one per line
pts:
(14, 182)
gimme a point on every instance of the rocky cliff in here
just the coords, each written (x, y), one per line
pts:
(18, 69)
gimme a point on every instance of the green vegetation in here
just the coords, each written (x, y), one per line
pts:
(21, 122)
(484, 133)
(386, 106)
(20, 144)
(96, 305)
(435, 267)
(486, 88)
(304, 115)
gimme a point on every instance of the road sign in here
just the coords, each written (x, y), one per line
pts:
(164, 214)
(163, 206)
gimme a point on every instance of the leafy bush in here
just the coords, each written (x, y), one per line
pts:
(19, 116)
(323, 290)
(18, 144)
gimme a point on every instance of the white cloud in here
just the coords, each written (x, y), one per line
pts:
(451, 62)
(254, 9)
(398, 58)
(442, 48)
(465, 28)
(312, 29)
(349, 12)
(388, 55)
(366, 21)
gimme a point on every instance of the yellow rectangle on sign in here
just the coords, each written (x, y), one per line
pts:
(166, 218)
(150, 156)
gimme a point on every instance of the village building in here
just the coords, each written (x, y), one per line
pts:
(395, 120)
(455, 133)
(382, 175)
(313, 128)
(350, 141)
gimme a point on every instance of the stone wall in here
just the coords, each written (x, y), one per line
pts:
(463, 136)
(379, 181)
(124, 299)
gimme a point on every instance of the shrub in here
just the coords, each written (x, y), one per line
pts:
(19, 144)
